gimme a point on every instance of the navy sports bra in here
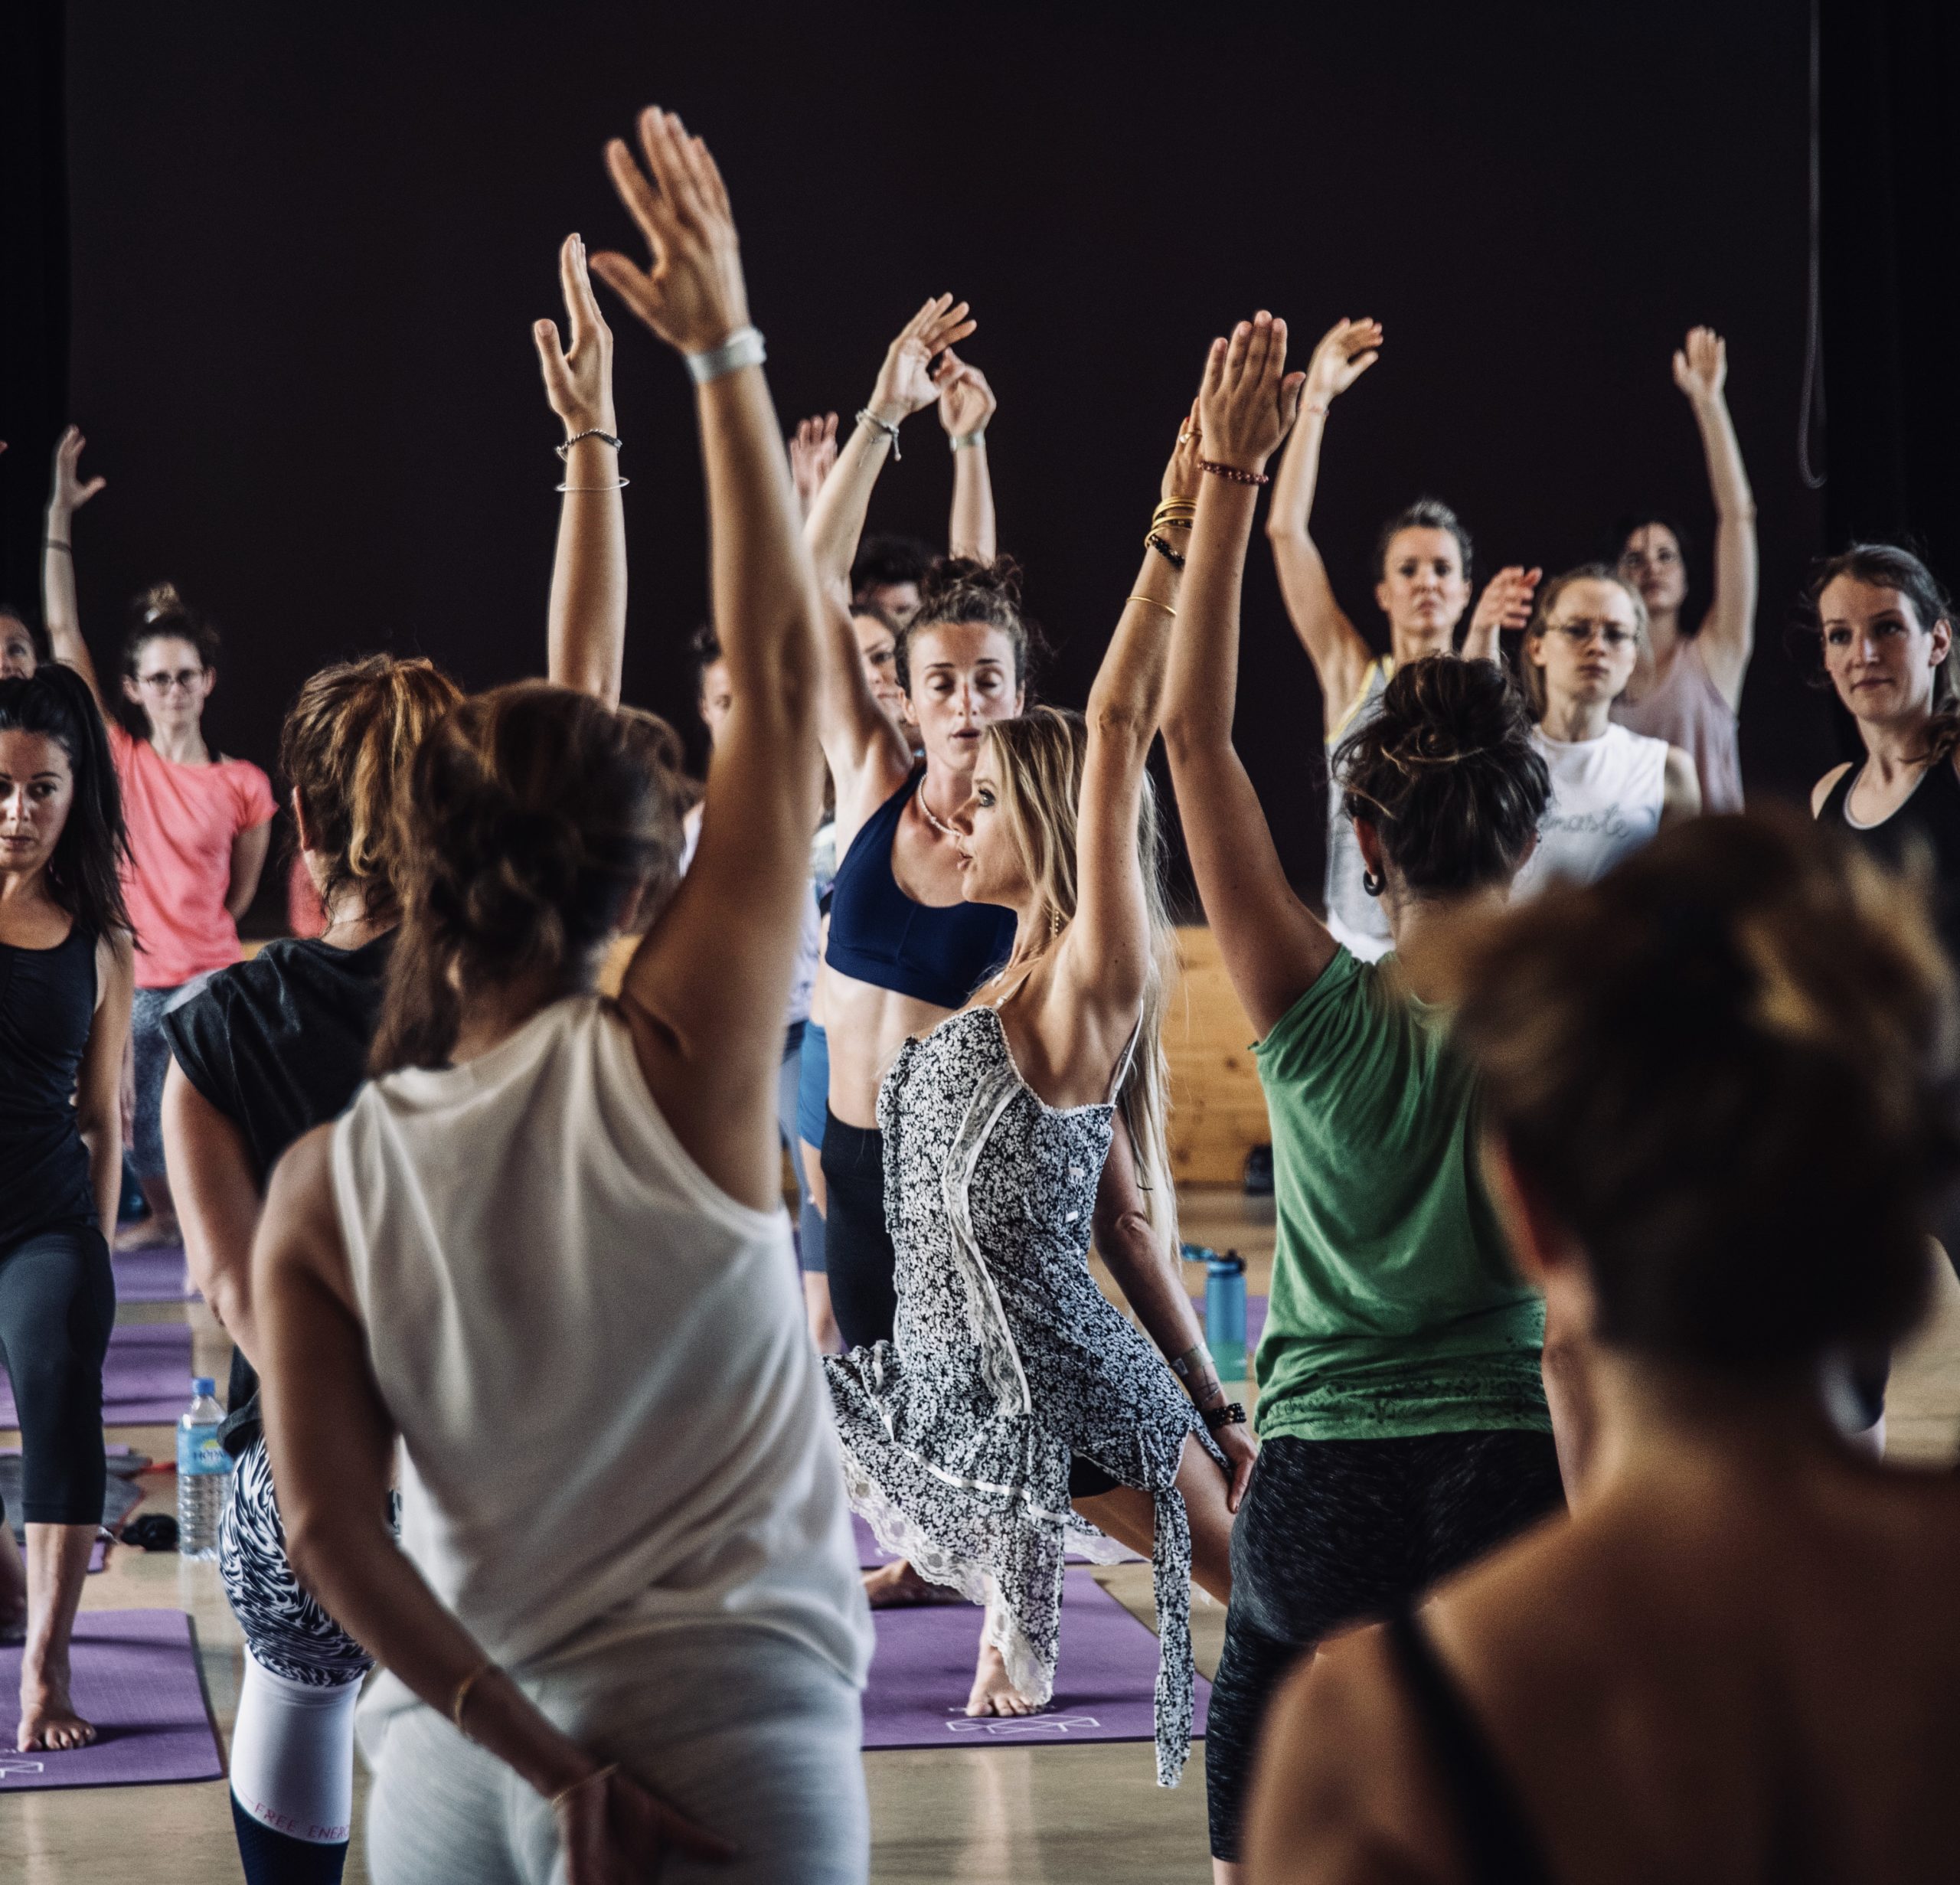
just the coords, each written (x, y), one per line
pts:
(881, 936)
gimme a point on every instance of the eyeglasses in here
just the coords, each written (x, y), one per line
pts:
(162, 681)
(1579, 633)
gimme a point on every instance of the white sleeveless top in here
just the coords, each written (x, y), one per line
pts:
(613, 1420)
(1606, 798)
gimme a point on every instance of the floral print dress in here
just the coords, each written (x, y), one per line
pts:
(1008, 1363)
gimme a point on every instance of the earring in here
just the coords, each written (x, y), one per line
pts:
(1373, 885)
(1054, 923)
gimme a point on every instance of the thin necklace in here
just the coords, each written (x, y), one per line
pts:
(932, 818)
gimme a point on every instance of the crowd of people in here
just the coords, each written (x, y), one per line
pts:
(1609, 1140)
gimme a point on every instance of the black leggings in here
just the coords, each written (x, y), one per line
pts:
(57, 1305)
(863, 1266)
(1331, 1532)
(858, 1252)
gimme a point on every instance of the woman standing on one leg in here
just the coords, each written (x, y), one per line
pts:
(200, 823)
(1423, 560)
(1402, 1418)
(1010, 1371)
(272, 1047)
(1688, 687)
(561, 1216)
(1612, 790)
(65, 975)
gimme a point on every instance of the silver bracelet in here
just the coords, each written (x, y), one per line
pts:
(961, 441)
(617, 485)
(866, 417)
(742, 348)
(1183, 1366)
(605, 438)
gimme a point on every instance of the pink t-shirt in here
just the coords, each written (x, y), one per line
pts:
(182, 820)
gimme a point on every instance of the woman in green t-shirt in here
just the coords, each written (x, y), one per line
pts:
(1402, 1419)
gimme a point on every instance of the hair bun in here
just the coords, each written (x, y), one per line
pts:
(159, 600)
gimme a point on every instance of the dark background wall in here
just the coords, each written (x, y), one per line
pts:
(307, 249)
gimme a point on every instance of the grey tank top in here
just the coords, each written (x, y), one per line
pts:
(1359, 922)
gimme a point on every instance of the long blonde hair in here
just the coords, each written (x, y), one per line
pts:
(1039, 757)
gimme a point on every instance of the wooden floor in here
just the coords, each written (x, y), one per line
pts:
(1048, 1816)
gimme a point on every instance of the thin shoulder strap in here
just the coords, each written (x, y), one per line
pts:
(1498, 1844)
(1123, 1066)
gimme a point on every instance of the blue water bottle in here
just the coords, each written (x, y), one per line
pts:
(1225, 1314)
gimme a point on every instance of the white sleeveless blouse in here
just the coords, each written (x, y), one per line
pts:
(1606, 798)
(613, 1421)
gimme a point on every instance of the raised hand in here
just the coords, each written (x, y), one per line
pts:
(1506, 602)
(68, 493)
(578, 380)
(1344, 352)
(905, 381)
(1248, 400)
(1701, 365)
(966, 401)
(812, 453)
(692, 293)
(615, 1833)
(1181, 476)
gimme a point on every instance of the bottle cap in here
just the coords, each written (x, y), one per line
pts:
(203, 1384)
(1230, 1264)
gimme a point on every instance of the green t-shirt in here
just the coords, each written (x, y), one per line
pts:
(1395, 1311)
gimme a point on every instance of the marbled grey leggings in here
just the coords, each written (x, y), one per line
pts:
(746, 1732)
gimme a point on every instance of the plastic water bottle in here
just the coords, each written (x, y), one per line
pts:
(203, 1471)
(1225, 1314)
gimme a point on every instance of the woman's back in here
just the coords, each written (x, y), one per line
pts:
(596, 1359)
(1729, 1674)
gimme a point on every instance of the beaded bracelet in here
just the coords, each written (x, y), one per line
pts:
(1231, 1414)
(1175, 557)
(1233, 473)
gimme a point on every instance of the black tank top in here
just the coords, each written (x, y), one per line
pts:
(1927, 825)
(47, 1008)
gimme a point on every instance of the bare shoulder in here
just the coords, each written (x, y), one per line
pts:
(301, 1222)
(1344, 1794)
(1827, 785)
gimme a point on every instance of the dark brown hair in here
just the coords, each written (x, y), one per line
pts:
(347, 748)
(1891, 565)
(1447, 774)
(961, 590)
(1725, 1069)
(535, 815)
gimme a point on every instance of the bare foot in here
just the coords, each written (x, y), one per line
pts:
(993, 1693)
(48, 1719)
(896, 1586)
(148, 1233)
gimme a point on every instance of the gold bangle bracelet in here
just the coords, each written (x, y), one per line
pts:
(462, 1694)
(1155, 604)
(565, 1793)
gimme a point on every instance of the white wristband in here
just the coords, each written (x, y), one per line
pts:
(961, 441)
(742, 348)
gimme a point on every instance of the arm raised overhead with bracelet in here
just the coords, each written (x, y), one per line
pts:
(869, 758)
(67, 492)
(967, 406)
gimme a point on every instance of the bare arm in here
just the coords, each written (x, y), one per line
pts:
(1104, 960)
(967, 405)
(1680, 789)
(867, 756)
(586, 625)
(216, 1185)
(1728, 630)
(99, 1086)
(1274, 946)
(66, 495)
(705, 990)
(248, 861)
(1335, 646)
(1505, 604)
(812, 458)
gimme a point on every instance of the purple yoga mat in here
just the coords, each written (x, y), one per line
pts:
(154, 1276)
(1105, 1680)
(145, 1379)
(135, 1677)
